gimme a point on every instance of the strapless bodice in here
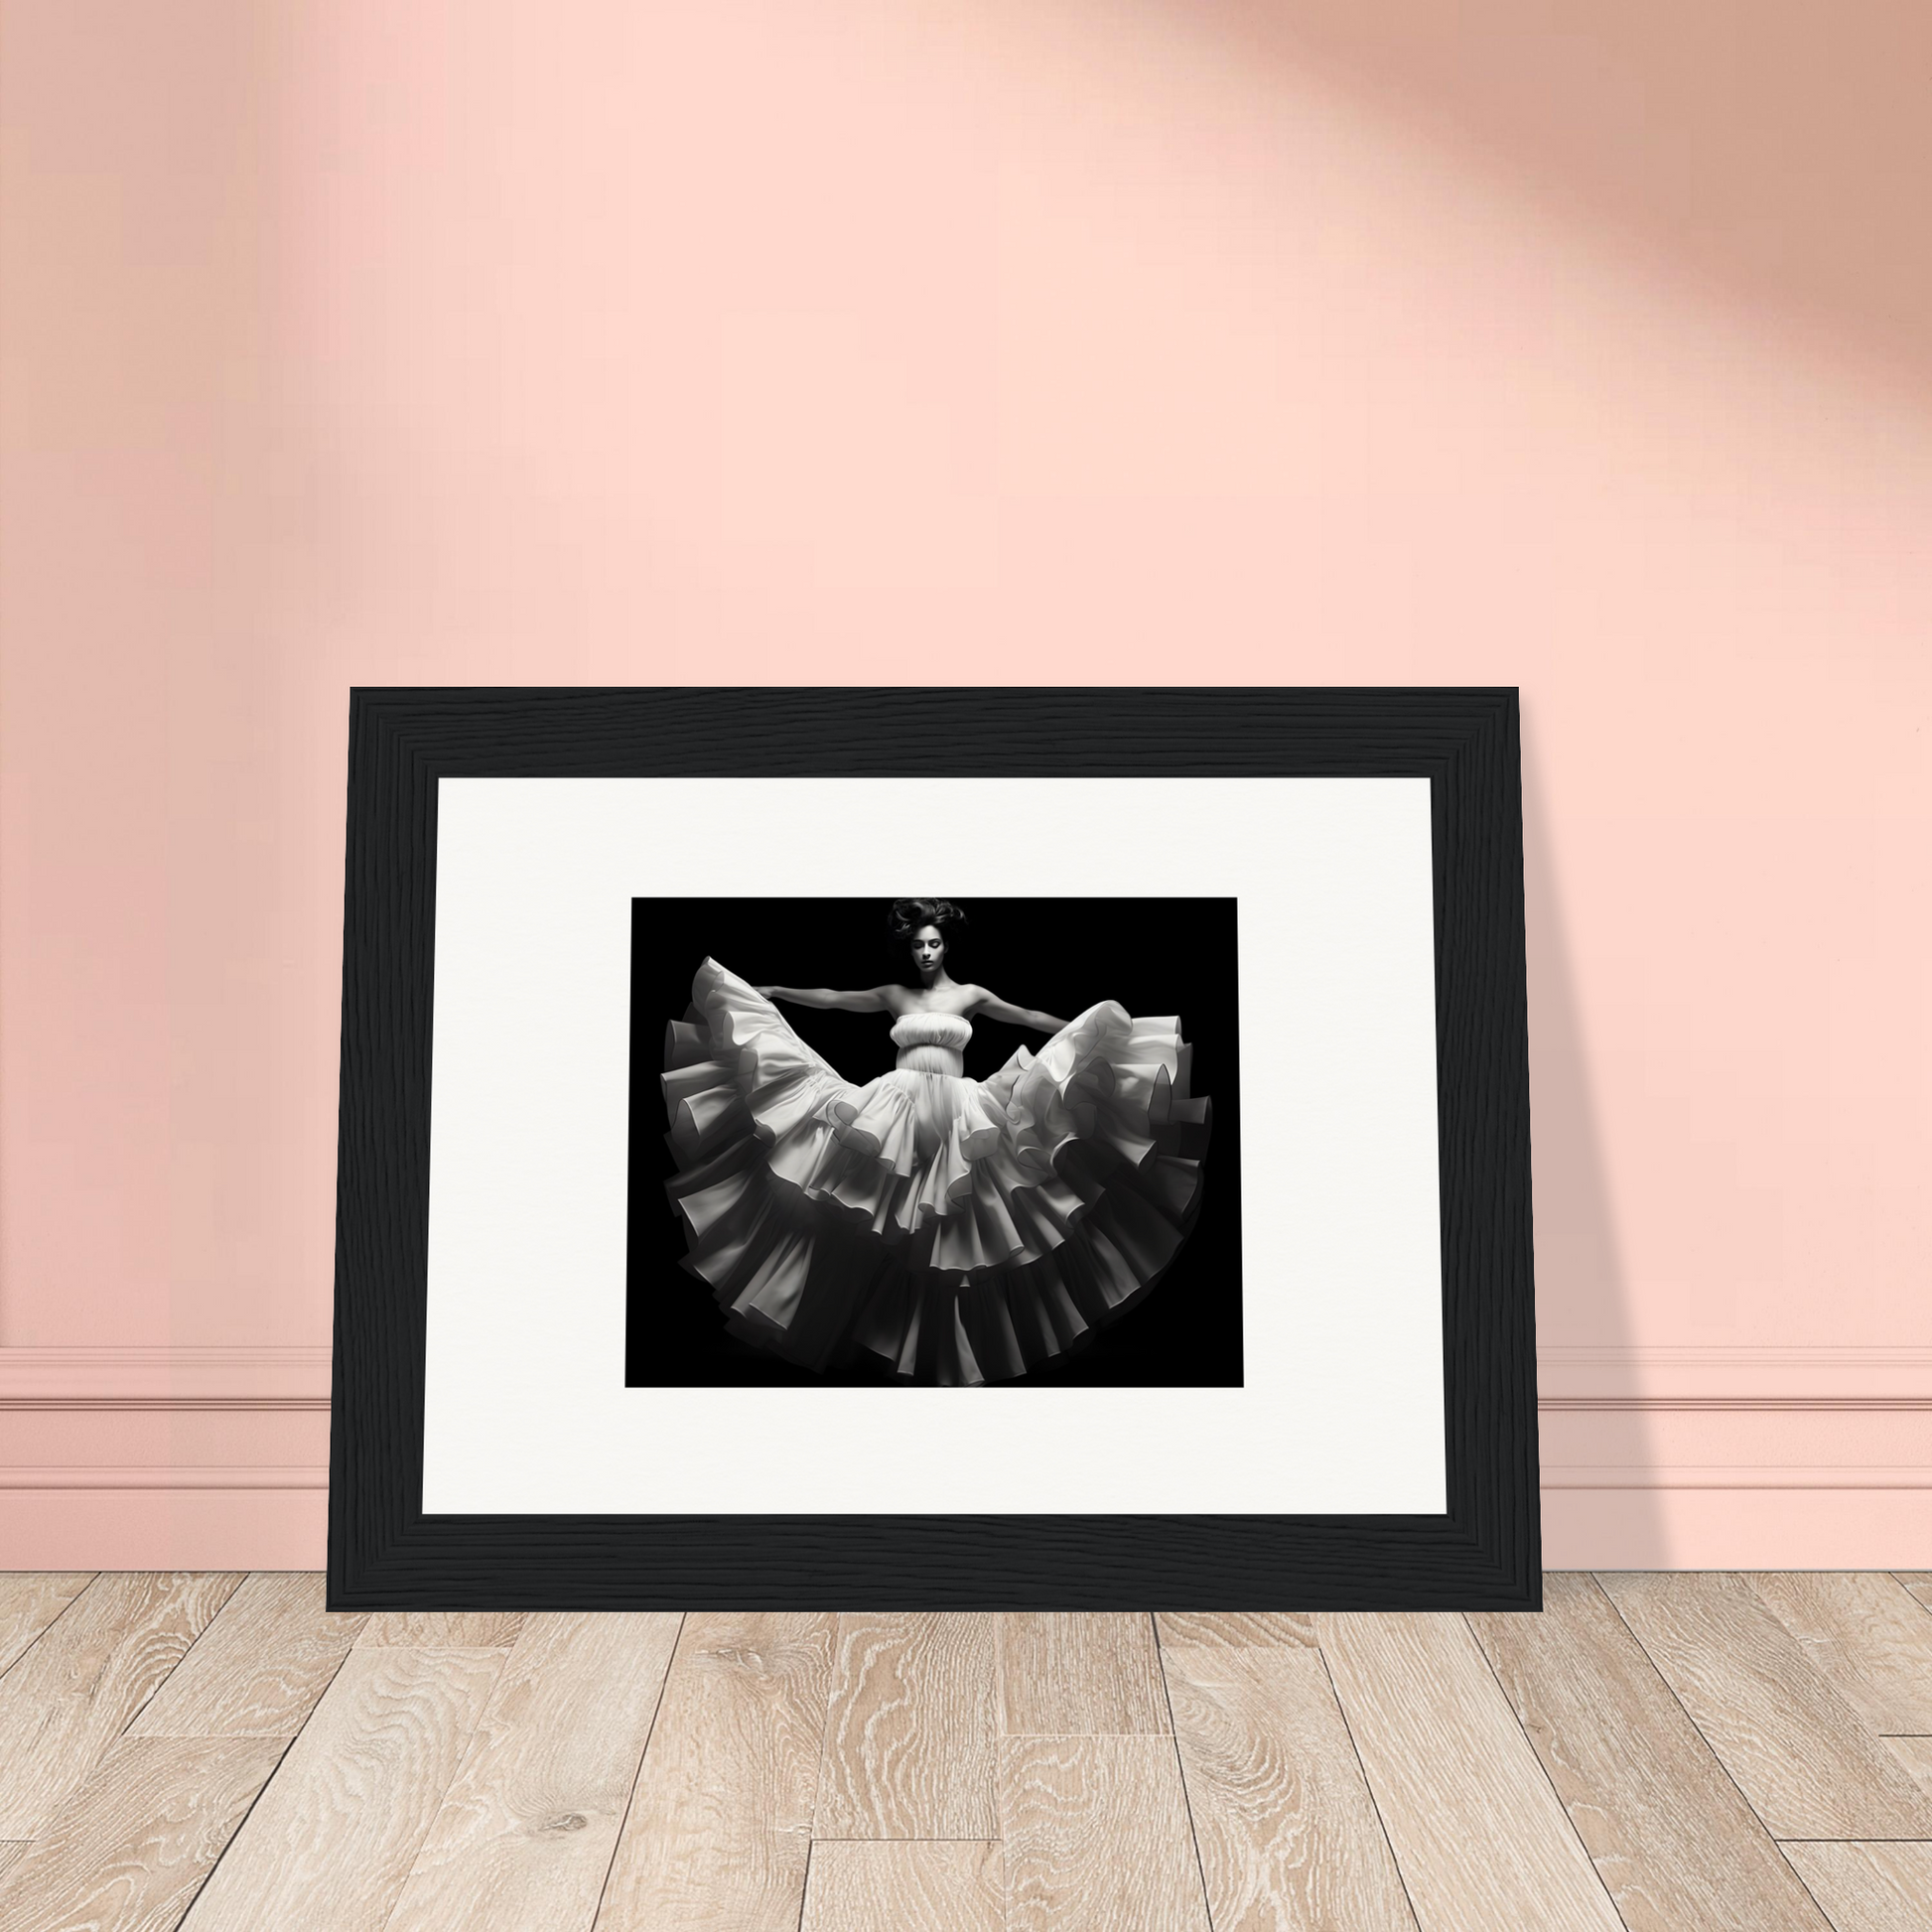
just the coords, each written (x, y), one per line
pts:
(932, 1042)
(950, 1030)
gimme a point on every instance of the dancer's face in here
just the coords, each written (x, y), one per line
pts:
(928, 949)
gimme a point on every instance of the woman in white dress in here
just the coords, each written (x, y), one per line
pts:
(965, 1230)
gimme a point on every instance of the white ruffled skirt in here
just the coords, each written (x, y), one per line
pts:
(966, 1231)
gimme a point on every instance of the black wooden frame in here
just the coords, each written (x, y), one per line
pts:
(1483, 1553)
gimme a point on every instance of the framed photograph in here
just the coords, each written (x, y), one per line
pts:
(1058, 1149)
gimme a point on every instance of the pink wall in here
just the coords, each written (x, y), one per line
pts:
(1029, 340)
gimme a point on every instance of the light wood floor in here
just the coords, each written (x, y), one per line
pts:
(1729, 1753)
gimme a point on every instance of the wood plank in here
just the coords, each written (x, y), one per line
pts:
(887, 1886)
(30, 1599)
(1288, 1834)
(11, 1851)
(1236, 1629)
(910, 1743)
(523, 1839)
(720, 1822)
(1868, 1888)
(1797, 1751)
(74, 1692)
(1865, 1636)
(1482, 1842)
(1671, 1838)
(331, 1839)
(1919, 1583)
(259, 1669)
(128, 1850)
(442, 1629)
(1097, 1837)
(1080, 1673)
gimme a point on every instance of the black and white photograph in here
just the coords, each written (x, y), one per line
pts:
(927, 1142)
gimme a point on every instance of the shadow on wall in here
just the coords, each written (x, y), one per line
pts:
(1578, 1266)
(1775, 150)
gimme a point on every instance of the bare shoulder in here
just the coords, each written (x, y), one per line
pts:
(976, 997)
(891, 999)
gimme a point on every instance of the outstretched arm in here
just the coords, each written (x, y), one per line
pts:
(823, 996)
(1040, 1023)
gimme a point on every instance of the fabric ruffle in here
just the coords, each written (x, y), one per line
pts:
(967, 1231)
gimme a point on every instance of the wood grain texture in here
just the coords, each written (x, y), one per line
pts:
(74, 1692)
(1673, 1842)
(129, 1849)
(1868, 1888)
(1915, 1753)
(1796, 1749)
(1919, 1583)
(522, 1841)
(385, 1553)
(1287, 1832)
(719, 1829)
(956, 1885)
(1097, 1837)
(30, 1599)
(1235, 1629)
(911, 1741)
(1481, 1839)
(11, 1853)
(442, 1629)
(1867, 1637)
(1080, 1673)
(259, 1669)
(329, 1843)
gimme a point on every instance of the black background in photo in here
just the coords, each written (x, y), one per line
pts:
(1155, 956)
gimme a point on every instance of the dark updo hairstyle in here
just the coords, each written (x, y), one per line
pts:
(909, 914)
